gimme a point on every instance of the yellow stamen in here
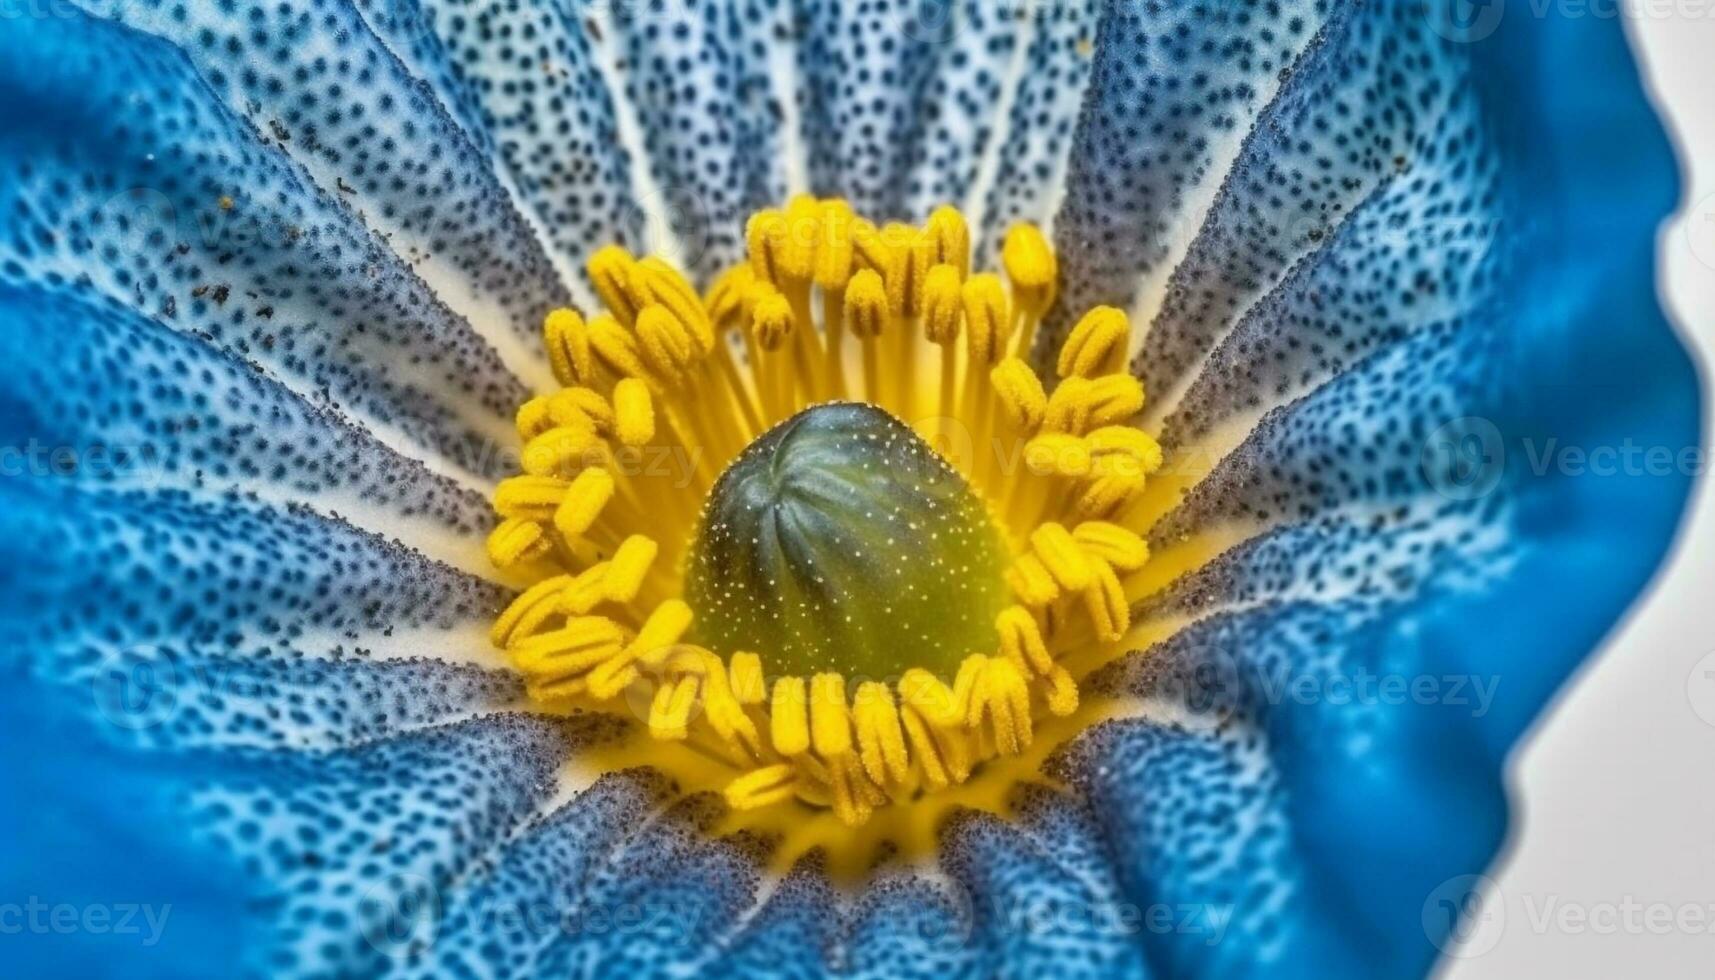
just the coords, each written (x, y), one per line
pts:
(1020, 393)
(633, 413)
(610, 271)
(765, 237)
(1096, 344)
(986, 323)
(516, 540)
(952, 238)
(1035, 275)
(772, 318)
(796, 260)
(568, 343)
(653, 404)
(835, 249)
(583, 501)
(617, 347)
(790, 718)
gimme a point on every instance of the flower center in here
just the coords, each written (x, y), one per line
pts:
(840, 541)
(731, 520)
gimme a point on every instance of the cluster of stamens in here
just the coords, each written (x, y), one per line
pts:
(829, 308)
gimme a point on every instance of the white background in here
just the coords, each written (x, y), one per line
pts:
(1615, 791)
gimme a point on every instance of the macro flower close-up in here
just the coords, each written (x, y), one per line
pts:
(945, 488)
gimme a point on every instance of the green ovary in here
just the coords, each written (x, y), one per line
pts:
(841, 542)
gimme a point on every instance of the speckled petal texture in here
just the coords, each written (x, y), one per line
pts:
(270, 277)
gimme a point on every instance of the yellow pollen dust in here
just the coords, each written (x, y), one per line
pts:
(665, 386)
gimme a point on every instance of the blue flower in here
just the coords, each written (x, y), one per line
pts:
(272, 286)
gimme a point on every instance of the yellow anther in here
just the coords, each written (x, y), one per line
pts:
(875, 249)
(1060, 554)
(987, 321)
(617, 347)
(1032, 267)
(577, 648)
(581, 407)
(1106, 495)
(633, 413)
(854, 798)
(578, 640)
(531, 497)
(583, 502)
(662, 631)
(952, 238)
(899, 240)
(934, 723)
(668, 348)
(1124, 451)
(924, 749)
(920, 259)
(629, 567)
(1001, 695)
(869, 248)
(532, 607)
(516, 540)
(1031, 582)
(830, 719)
(797, 257)
(744, 673)
(652, 646)
(765, 239)
(866, 304)
(611, 272)
(533, 418)
(725, 713)
(1105, 599)
(925, 693)
(835, 249)
(562, 449)
(568, 341)
(726, 298)
(1057, 454)
(1062, 696)
(670, 708)
(771, 318)
(1020, 393)
(1081, 404)
(1096, 345)
(611, 676)
(1118, 546)
(762, 787)
(965, 682)
(943, 305)
(881, 740)
(1021, 640)
(789, 718)
(587, 591)
(664, 286)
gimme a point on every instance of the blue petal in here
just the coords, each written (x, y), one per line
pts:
(861, 69)
(1479, 263)
(699, 76)
(1354, 230)
(1044, 899)
(1030, 168)
(143, 188)
(98, 393)
(508, 917)
(320, 86)
(1175, 88)
(534, 84)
